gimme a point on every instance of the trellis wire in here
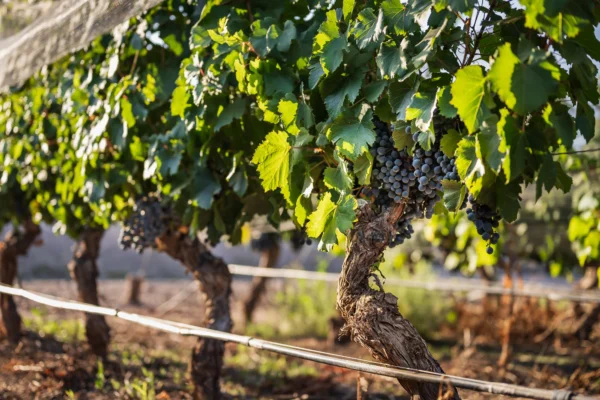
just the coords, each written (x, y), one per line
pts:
(449, 286)
(306, 354)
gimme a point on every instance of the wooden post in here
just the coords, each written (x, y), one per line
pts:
(134, 288)
(268, 259)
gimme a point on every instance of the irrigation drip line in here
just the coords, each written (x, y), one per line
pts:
(306, 354)
(448, 286)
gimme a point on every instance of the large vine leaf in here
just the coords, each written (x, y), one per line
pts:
(273, 160)
(329, 218)
(352, 136)
(468, 91)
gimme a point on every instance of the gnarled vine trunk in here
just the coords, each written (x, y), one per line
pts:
(372, 316)
(84, 271)
(214, 280)
(15, 244)
(268, 259)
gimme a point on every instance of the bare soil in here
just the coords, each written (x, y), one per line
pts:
(145, 363)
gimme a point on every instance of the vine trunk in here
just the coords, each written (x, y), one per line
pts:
(372, 316)
(15, 244)
(84, 271)
(214, 280)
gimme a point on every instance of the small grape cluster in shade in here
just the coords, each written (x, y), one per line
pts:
(149, 220)
(265, 241)
(485, 220)
(298, 238)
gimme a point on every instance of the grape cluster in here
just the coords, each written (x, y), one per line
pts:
(148, 221)
(399, 177)
(485, 220)
(298, 238)
(265, 241)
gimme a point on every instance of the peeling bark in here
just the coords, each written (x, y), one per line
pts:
(268, 259)
(15, 244)
(84, 271)
(214, 280)
(372, 316)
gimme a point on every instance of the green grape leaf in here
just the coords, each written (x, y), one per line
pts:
(443, 101)
(349, 88)
(557, 116)
(397, 16)
(579, 227)
(127, 112)
(168, 161)
(468, 91)
(585, 121)
(532, 85)
(348, 8)
(400, 96)
(392, 60)
(449, 142)
(454, 194)
(421, 110)
(514, 142)
(199, 37)
(546, 176)
(330, 217)
(508, 199)
(204, 187)
(333, 54)
(352, 136)
(338, 178)
(373, 90)
(232, 111)
(273, 160)
(315, 74)
(369, 27)
(469, 166)
(363, 166)
(402, 138)
(179, 101)
(587, 40)
(302, 210)
(287, 35)
(491, 146)
(501, 73)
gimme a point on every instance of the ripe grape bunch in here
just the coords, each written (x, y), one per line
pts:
(416, 179)
(148, 221)
(485, 220)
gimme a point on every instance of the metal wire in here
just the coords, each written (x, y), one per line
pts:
(306, 354)
(448, 285)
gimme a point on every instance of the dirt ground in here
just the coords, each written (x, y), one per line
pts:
(53, 362)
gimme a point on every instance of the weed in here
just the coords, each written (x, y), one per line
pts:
(303, 310)
(100, 378)
(70, 394)
(142, 389)
(64, 330)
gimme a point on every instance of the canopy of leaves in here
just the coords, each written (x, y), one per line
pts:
(231, 111)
